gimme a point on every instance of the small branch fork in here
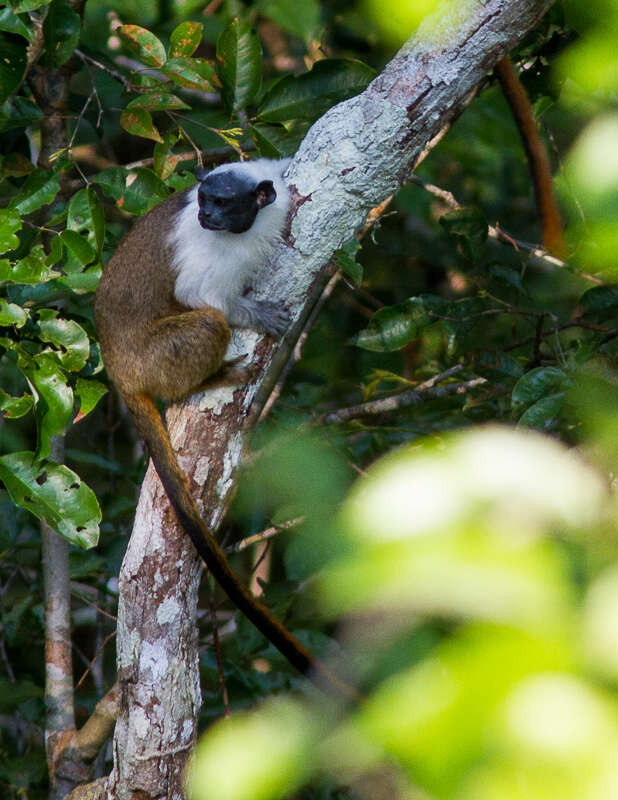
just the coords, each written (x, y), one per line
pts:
(424, 392)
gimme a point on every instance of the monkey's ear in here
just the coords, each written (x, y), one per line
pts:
(266, 193)
(201, 173)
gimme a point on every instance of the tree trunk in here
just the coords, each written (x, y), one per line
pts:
(355, 156)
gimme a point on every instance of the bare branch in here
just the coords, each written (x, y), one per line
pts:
(423, 393)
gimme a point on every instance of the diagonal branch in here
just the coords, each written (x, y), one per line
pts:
(352, 159)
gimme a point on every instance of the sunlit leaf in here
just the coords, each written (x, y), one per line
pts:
(148, 47)
(89, 392)
(78, 246)
(185, 38)
(192, 73)
(98, 218)
(12, 23)
(40, 189)
(15, 407)
(139, 122)
(54, 405)
(30, 270)
(67, 335)
(158, 101)
(10, 222)
(12, 314)
(55, 493)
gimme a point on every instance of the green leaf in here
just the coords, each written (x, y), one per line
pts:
(158, 101)
(78, 212)
(469, 229)
(149, 49)
(239, 64)
(542, 415)
(66, 334)
(192, 73)
(15, 407)
(601, 301)
(311, 94)
(393, 327)
(22, 6)
(185, 38)
(10, 221)
(136, 191)
(493, 363)
(11, 23)
(78, 246)
(15, 165)
(89, 391)
(40, 189)
(18, 112)
(535, 385)
(97, 216)
(31, 270)
(55, 493)
(54, 404)
(12, 314)
(275, 141)
(345, 259)
(511, 277)
(61, 29)
(12, 65)
(139, 122)
(300, 18)
(84, 282)
(164, 160)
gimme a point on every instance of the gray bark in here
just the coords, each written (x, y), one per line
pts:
(355, 156)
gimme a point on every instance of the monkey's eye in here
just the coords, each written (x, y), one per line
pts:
(219, 202)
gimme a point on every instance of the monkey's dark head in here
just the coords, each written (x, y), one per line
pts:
(230, 201)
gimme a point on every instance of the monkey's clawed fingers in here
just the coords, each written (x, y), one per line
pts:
(272, 317)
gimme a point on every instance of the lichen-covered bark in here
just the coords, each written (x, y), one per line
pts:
(355, 156)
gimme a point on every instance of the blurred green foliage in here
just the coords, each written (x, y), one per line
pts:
(476, 571)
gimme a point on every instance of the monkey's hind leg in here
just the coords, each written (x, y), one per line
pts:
(182, 350)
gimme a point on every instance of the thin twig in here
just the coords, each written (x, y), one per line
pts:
(130, 87)
(412, 397)
(557, 328)
(94, 659)
(495, 232)
(264, 535)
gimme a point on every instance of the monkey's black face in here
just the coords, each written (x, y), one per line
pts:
(228, 202)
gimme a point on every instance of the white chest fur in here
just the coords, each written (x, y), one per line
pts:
(213, 268)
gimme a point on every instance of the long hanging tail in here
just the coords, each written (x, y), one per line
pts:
(151, 428)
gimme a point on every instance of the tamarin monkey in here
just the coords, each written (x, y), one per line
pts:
(163, 310)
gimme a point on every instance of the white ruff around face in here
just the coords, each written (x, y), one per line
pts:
(214, 267)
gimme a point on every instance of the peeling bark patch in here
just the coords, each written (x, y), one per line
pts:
(168, 611)
(153, 658)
